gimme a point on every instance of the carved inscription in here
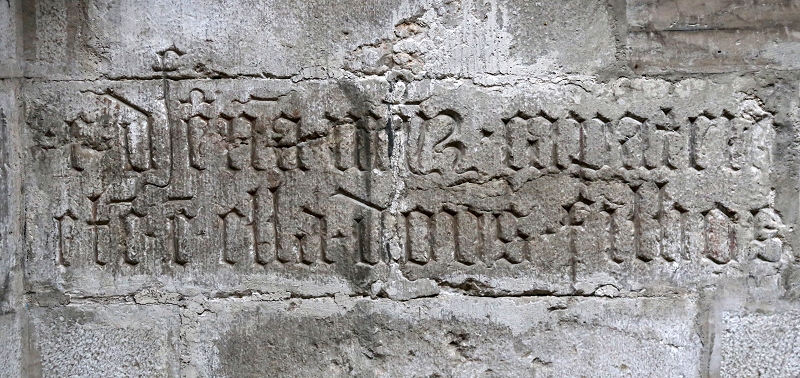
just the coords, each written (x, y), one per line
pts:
(253, 182)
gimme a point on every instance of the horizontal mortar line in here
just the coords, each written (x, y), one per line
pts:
(645, 29)
(154, 79)
(129, 299)
(677, 75)
(38, 79)
(672, 76)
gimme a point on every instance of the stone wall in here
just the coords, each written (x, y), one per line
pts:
(416, 188)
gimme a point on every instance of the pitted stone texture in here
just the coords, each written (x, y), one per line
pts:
(11, 345)
(450, 336)
(759, 344)
(111, 340)
(321, 187)
(80, 39)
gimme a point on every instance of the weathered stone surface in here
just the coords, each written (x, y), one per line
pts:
(137, 39)
(759, 343)
(555, 337)
(13, 357)
(10, 193)
(398, 188)
(268, 185)
(114, 340)
(10, 65)
(713, 36)
(11, 351)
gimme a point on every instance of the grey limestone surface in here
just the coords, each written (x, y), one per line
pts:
(417, 188)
